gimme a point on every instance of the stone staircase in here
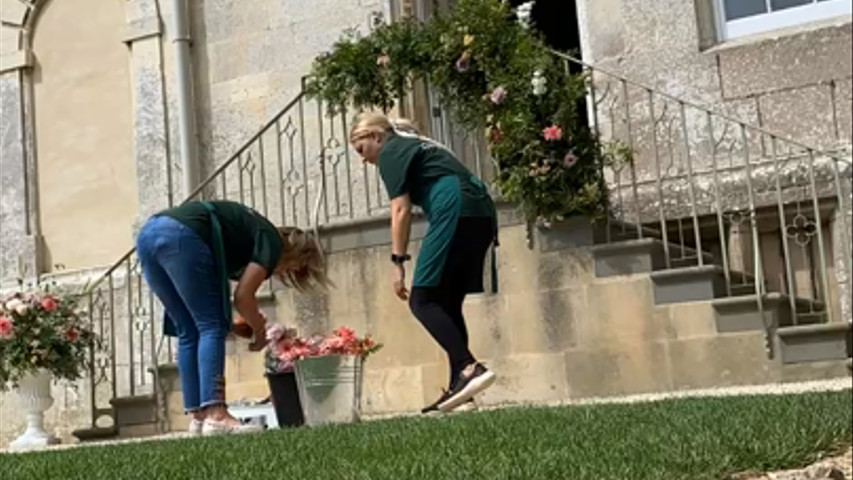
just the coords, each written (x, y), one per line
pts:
(794, 336)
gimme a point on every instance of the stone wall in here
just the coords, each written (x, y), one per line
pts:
(248, 61)
(796, 82)
(553, 332)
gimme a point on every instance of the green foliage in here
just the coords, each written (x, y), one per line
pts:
(354, 71)
(484, 64)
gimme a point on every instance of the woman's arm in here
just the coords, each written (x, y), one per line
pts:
(246, 303)
(401, 225)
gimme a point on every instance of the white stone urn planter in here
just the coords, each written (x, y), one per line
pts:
(33, 400)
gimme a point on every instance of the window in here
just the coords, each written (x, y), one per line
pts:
(739, 18)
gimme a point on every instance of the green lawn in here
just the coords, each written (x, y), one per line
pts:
(679, 439)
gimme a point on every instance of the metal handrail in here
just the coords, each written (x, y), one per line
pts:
(213, 176)
(705, 108)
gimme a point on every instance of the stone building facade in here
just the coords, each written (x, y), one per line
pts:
(90, 145)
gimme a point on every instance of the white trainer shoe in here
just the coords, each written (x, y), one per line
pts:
(195, 427)
(215, 427)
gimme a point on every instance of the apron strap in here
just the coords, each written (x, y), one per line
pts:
(219, 255)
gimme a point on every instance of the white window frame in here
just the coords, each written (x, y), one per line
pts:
(789, 17)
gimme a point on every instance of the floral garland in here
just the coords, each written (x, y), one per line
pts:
(495, 75)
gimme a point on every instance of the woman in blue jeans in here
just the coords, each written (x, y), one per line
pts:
(188, 254)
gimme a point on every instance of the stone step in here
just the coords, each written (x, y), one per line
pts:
(642, 256)
(816, 343)
(742, 313)
(815, 371)
(134, 410)
(621, 231)
(167, 374)
(94, 434)
(694, 284)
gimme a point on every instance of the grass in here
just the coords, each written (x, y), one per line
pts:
(700, 438)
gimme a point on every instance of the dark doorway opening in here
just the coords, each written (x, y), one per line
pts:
(557, 21)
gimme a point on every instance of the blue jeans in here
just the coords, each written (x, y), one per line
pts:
(180, 269)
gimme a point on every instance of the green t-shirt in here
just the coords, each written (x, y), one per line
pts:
(413, 165)
(246, 235)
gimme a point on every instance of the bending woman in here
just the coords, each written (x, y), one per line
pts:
(462, 226)
(188, 254)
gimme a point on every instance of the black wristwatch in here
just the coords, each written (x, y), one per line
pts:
(400, 259)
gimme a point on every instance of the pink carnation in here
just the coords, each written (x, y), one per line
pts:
(552, 133)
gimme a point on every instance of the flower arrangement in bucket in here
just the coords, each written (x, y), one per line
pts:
(41, 337)
(285, 347)
(326, 372)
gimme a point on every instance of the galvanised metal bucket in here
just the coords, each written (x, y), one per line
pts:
(330, 388)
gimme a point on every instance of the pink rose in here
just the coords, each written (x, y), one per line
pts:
(498, 95)
(5, 327)
(552, 133)
(72, 335)
(49, 304)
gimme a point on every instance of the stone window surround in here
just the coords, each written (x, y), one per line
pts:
(775, 20)
(712, 31)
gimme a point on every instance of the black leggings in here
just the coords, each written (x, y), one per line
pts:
(440, 312)
(439, 309)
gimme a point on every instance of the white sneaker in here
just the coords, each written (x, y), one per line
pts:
(215, 427)
(473, 380)
(195, 427)
(469, 406)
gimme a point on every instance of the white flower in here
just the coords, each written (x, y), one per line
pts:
(523, 13)
(13, 304)
(22, 309)
(540, 83)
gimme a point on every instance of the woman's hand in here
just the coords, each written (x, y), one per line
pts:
(259, 336)
(247, 304)
(399, 282)
(259, 341)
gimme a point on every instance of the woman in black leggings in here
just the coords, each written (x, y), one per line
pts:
(462, 226)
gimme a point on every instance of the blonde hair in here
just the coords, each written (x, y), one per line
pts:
(304, 249)
(373, 123)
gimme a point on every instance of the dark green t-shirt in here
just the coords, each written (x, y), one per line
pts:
(413, 165)
(246, 235)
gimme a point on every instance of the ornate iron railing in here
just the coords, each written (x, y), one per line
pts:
(771, 212)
